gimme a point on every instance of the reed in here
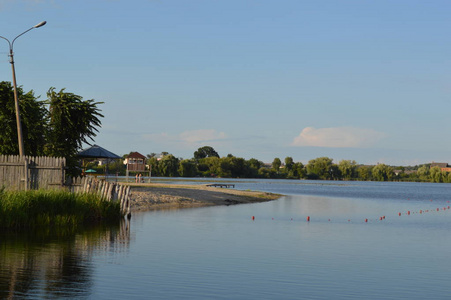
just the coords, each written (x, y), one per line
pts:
(31, 209)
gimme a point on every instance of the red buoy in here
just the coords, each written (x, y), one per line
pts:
(399, 214)
(253, 218)
(366, 220)
(308, 218)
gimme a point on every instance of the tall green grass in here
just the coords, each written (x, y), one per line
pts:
(31, 209)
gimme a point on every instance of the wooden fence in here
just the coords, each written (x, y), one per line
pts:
(110, 191)
(23, 173)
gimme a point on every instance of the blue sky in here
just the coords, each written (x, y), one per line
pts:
(363, 80)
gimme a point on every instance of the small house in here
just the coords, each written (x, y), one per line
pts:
(443, 166)
(136, 162)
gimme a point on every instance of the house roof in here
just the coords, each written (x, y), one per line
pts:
(136, 155)
(440, 165)
(96, 151)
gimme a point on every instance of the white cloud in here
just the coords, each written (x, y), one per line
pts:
(338, 137)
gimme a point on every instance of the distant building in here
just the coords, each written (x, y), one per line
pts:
(136, 162)
(443, 166)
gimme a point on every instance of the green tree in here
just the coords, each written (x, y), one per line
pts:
(298, 170)
(276, 163)
(436, 174)
(204, 152)
(168, 166)
(209, 166)
(288, 163)
(423, 173)
(320, 168)
(348, 169)
(154, 166)
(253, 165)
(72, 122)
(34, 117)
(364, 172)
(382, 172)
(232, 166)
(187, 168)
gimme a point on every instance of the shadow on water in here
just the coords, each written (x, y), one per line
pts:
(55, 263)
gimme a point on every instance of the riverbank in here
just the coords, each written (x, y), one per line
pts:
(157, 196)
(54, 208)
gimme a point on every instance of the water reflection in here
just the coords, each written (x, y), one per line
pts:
(56, 263)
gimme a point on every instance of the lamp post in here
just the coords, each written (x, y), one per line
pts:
(16, 98)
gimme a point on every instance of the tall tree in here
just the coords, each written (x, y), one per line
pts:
(288, 163)
(187, 168)
(382, 172)
(276, 163)
(348, 169)
(34, 116)
(320, 167)
(169, 166)
(72, 122)
(205, 151)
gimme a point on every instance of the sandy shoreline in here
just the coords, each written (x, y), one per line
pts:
(156, 196)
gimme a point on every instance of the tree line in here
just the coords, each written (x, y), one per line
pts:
(206, 162)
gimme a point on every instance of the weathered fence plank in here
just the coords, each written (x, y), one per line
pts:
(26, 172)
(23, 173)
(110, 191)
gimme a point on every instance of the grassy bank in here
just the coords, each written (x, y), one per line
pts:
(30, 209)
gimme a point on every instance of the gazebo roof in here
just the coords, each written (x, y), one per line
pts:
(96, 151)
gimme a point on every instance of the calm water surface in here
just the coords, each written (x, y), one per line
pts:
(221, 253)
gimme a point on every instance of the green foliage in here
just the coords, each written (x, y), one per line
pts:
(210, 166)
(72, 122)
(31, 209)
(276, 163)
(298, 171)
(348, 169)
(33, 115)
(232, 166)
(382, 172)
(168, 166)
(204, 152)
(187, 168)
(288, 163)
(436, 175)
(364, 173)
(321, 168)
(56, 127)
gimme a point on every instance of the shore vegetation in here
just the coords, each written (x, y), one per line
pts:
(46, 208)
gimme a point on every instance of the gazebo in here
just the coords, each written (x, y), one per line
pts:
(96, 151)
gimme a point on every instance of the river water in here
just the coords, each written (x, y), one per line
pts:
(364, 240)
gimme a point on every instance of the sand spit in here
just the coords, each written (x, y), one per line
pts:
(155, 196)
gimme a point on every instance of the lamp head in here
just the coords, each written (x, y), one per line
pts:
(40, 24)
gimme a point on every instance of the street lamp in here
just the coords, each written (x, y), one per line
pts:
(16, 100)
